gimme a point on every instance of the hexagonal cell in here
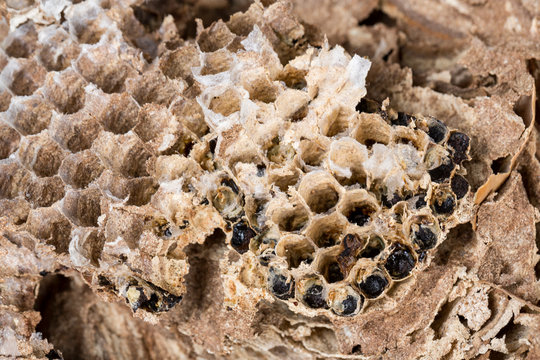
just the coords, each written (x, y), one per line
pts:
(5, 98)
(280, 283)
(23, 76)
(320, 191)
(350, 247)
(258, 84)
(374, 247)
(283, 177)
(46, 191)
(345, 160)
(359, 207)
(75, 132)
(312, 292)
(83, 206)
(265, 242)
(327, 231)
(345, 301)
(29, 115)
(125, 224)
(190, 114)
(85, 21)
(14, 180)
(460, 186)
(137, 191)
(292, 105)
(329, 267)
(400, 261)
(65, 90)
(443, 201)
(226, 103)
(14, 210)
(51, 226)
(125, 154)
(153, 87)
(372, 129)
(80, 169)
(459, 145)
(373, 283)
(228, 200)
(22, 42)
(336, 120)
(177, 64)
(9, 140)
(438, 163)
(423, 232)
(215, 37)
(110, 75)
(58, 49)
(403, 135)
(41, 154)
(313, 151)
(88, 243)
(292, 217)
(296, 249)
(278, 152)
(120, 114)
(293, 77)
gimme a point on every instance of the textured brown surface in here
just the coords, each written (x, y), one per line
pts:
(98, 108)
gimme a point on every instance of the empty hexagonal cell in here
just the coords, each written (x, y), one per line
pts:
(14, 180)
(313, 151)
(86, 21)
(358, 207)
(153, 87)
(124, 154)
(46, 191)
(374, 247)
(58, 49)
(83, 206)
(29, 115)
(328, 265)
(21, 42)
(14, 210)
(65, 90)
(259, 85)
(80, 169)
(178, 63)
(86, 246)
(312, 292)
(23, 76)
(296, 249)
(292, 105)
(133, 191)
(75, 132)
(51, 226)
(345, 301)
(120, 114)
(320, 191)
(5, 98)
(372, 129)
(292, 77)
(9, 140)
(190, 114)
(336, 119)
(215, 37)
(291, 217)
(226, 103)
(345, 160)
(283, 177)
(125, 224)
(327, 231)
(41, 154)
(109, 76)
(403, 135)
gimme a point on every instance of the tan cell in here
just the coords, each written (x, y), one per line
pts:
(372, 129)
(345, 301)
(80, 169)
(45, 191)
(345, 160)
(87, 243)
(14, 180)
(178, 63)
(22, 42)
(337, 120)
(65, 90)
(226, 103)
(359, 207)
(75, 132)
(320, 191)
(313, 151)
(120, 114)
(83, 207)
(153, 87)
(29, 115)
(296, 249)
(214, 37)
(125, 154)
(50, 226)
(57, 48)
(327, 231)
(23, 76)
(41, 154)
(134, 191)
(189, 113)
(14, 210)
(9, 140)
(283, 177)
(291, 217)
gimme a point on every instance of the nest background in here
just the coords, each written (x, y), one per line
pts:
(474, 68)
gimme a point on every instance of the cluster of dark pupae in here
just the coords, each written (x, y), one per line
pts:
(399, 261)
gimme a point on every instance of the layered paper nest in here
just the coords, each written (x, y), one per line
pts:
(258, 192)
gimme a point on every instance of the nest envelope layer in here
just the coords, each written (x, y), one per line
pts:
(257, 192)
